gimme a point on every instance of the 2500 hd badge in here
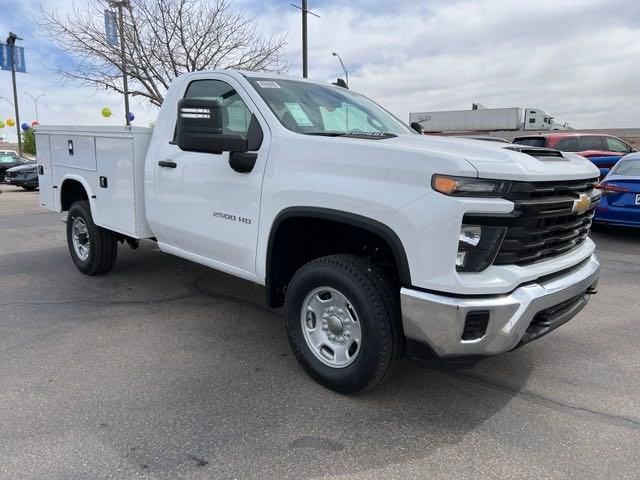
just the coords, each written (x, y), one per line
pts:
(232, 218)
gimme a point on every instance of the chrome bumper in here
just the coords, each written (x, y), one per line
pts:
(439, 320)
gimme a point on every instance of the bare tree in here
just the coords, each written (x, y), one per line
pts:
(164, 38)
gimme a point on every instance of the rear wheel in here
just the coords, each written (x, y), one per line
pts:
(93, 249)
(343, 322)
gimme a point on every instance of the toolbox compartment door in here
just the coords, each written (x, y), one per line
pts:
(46, 185)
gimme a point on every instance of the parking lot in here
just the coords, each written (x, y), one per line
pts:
(164, 369)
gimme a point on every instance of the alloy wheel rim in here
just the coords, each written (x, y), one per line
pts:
(80, 238)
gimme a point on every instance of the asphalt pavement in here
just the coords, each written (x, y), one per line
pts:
(164, 369)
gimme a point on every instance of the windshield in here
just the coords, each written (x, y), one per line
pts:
(628, 167)
(312, 109)
(8, 159)
(532, 142)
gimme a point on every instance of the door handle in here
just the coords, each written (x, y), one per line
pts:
(167, 164)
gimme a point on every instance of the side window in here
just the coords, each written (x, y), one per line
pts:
(615, 145)
(591, 143)
(236, 115)
(567, 145)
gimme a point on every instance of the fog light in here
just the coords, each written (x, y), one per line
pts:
(478, 246)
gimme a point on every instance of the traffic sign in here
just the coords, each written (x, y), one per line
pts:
(5, 58)
(111, 27)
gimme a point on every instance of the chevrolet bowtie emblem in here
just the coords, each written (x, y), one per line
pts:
(582, 204)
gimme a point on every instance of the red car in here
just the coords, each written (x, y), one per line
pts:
(603, 150)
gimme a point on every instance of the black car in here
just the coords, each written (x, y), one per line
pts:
(9, 160)
(25, 176)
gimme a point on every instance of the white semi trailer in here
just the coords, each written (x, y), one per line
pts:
(486, 120)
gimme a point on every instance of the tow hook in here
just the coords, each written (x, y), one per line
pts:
(592, 290)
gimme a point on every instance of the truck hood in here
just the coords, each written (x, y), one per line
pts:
(502, 161)
(24, 167)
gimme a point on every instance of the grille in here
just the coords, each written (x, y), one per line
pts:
(543, 224)
(548, 320)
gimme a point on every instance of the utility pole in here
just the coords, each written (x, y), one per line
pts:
(11, 41)
(120, 4)
(305, 47)
(35, 102)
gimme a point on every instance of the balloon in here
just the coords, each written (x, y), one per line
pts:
(1, 124)
(131, 116)
(106, 112)
(25, 126)
(10, 122)
(35, 123)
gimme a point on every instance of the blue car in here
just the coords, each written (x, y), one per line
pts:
(620, 204)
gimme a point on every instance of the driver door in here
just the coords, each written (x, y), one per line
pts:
(209, 212)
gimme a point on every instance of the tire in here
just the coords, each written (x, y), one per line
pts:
(367, 303)
(29, 189)
(102, 251)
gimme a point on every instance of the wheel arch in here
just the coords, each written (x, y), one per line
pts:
(72, 189)
(352, 220)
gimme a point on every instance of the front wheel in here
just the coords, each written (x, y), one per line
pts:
(93, 249)
(343, 322)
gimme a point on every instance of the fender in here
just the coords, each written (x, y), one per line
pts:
(80, 180)
(365, 223)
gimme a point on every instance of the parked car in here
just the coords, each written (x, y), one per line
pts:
(603, 150)
(25, 176)
(9, 160)
(620, 204)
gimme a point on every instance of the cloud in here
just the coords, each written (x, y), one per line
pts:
(575, 59)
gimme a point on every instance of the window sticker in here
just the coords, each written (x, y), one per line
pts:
(268, 84)
(298, 114)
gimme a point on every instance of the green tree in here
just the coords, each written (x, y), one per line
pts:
(29, 142)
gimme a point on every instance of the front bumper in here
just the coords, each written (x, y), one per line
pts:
(439, 320)
(22, 180)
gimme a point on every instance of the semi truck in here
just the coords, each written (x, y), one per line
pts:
(375, 239)
(486, 120)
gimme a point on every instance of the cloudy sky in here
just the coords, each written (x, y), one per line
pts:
(577, 59)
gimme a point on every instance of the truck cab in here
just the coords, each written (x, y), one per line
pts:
(538, 119)
(373, 237)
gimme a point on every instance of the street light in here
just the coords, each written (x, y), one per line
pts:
(346, 72)
(120, 4)
(7, 100)
(35, 102)
(11, 43)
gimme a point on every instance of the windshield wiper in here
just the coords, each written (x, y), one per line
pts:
(373, 135)
(327, 134)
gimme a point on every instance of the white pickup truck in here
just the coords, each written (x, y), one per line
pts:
(374, 237)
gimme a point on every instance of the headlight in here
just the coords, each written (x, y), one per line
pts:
(469, 187)
(478, 246)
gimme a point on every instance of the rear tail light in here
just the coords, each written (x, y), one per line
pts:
(609, 188)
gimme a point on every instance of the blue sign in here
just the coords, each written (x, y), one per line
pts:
(111, 27)
(5, 58)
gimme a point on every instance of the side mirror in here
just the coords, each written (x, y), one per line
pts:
(417, 127)
(199, 128)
